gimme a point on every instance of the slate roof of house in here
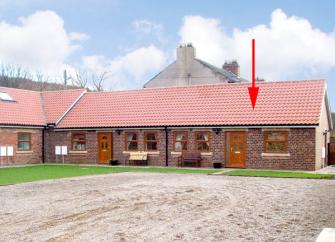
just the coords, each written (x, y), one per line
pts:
(32, 108)
(279, 103)
(231, 76)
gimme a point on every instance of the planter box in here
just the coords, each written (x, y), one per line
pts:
(113, 162)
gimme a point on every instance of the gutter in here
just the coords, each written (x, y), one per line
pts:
(166, 146)
(186, 127)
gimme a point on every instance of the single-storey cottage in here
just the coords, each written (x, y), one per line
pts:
(289, 128)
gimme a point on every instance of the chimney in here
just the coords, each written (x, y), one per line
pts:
(232, 67)
(185, 53)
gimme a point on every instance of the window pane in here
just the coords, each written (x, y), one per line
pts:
(180, 146)
(78, 146)
(203, 146)
(202, 136)
(131, 136)
(23, 145)
(276, 136)
(151, 145)
(132, 145)
(25, 137)
(180, 136)
(151, 136)
(276, 147)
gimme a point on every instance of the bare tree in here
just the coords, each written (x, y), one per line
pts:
(98, 81)
(81, 78)
(11, 75)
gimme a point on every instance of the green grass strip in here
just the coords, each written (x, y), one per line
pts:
(282, 174)
(14, 175)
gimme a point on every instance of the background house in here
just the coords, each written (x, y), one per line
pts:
(187, 70)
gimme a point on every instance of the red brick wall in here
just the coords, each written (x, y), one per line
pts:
(8, 137)
(58, 138)
(301, 149)
(301, 146)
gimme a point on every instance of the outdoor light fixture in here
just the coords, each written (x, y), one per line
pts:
(118, 131)
(216, 130)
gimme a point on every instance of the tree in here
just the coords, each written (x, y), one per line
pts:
(98, 81)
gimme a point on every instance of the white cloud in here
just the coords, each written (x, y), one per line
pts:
(128, 70)
(39, 42)
(146, 26)
(288, 47)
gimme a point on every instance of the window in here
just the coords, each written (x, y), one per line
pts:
(78, 141)
(24, 141)
(150, 139)
(180, 141)
(202, 141)
(131, 141)
(5, 97)
(275, 141)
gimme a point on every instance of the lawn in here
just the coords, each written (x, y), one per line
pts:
(283, 174)
(13, 175)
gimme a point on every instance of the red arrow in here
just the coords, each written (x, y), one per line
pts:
(253, 90)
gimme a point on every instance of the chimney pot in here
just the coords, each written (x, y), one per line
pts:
(232, 67)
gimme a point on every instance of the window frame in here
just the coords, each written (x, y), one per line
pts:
(265, 141)
(203, 141)
(25, 141)
(175, 140)
(126, 140)
(146, 141)
(72, 140)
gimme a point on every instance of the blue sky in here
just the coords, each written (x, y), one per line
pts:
(135, 39)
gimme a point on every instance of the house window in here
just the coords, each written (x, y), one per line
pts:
(24, 141)
(78, 141)
(150, 140)
(275, 141)
(131, 141)
(180, 141)
(202, 141)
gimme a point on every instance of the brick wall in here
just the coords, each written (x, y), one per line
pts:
(8, 137)
(301, 148)
(301, 144)
(58, 138)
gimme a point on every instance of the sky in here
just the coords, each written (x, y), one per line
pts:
(134, 40)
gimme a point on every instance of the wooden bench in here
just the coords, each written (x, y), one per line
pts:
(190, 159)
(138, 158)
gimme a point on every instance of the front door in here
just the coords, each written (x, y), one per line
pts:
(236, 149)
(104, 147)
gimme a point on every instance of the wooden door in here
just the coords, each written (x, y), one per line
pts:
(104, 147)
(236, 149)
(331, 154)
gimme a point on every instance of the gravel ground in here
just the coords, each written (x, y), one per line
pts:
(167, 207)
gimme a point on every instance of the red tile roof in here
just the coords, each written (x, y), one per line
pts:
(35, 108)
(26, 110)
(279, 103)
(56, 103)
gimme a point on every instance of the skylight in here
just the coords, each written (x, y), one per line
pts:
(5, 97)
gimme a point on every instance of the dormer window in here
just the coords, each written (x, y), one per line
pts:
(6, 97)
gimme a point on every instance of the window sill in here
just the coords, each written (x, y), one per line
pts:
(24, 152)
(276, 154)
(206, 153)
(137, 151)
(78, 152)
(175, 153)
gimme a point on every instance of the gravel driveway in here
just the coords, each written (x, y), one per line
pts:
(167, 207)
